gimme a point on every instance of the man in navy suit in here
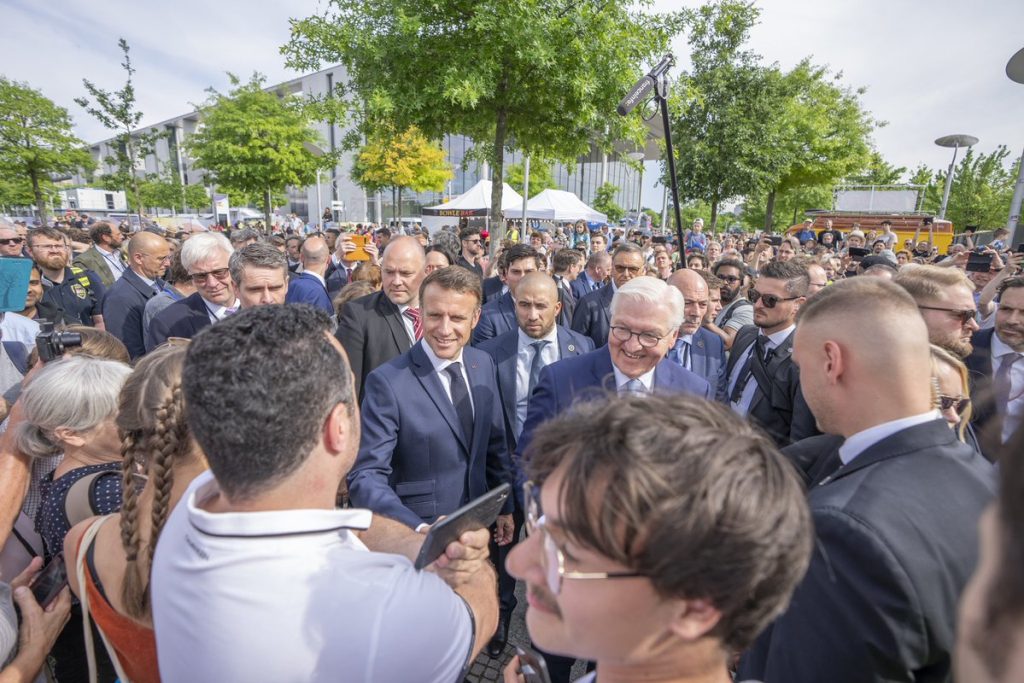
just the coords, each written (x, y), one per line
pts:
(125, 301)
(519, 355)
(593, 310)
(598, 267)
(698, 349)
(205, 256)
(309, 286)
(499, 316)
(895, 521)
(433, 431)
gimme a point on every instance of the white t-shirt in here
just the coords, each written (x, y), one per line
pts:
(296, 596)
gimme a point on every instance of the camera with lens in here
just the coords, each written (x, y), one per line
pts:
(52, 343)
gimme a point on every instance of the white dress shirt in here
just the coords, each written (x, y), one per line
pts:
(113, 260)
(647, 379)
(524, 360)
(747, 397)
(439, 366)
(1015, 407)
(410, 329)
(218, 312)
(865, 439)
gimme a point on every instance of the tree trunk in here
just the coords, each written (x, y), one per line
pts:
(266, 211)
(497, 228)
(394, 206)
(714, 216)
(398, 225)
(769, 212)
(37, 191)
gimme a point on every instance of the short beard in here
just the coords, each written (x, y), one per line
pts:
(960, 349)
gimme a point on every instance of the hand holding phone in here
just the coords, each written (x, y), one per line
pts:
(475, 515)
(48, 583)
(529, 665)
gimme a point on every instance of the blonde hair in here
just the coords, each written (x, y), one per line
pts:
(926, 283)
(941, 355)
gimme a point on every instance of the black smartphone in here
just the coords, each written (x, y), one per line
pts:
(858, 253)
(532, 666)
(1020, 248)
(979, 263)
(49, 582)
(658, 239)
(775, 240)
(476, 514)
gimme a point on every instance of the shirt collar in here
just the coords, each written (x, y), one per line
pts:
(865, 439)
(999, 347)
(218, 310)
(317, 276)
(274, 523)
(525, 340)
(439, 363)
(776, 338)
(647, 379)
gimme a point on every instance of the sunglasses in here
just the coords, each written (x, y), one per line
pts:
(220, 274)
(768, 300)
(11, 240)
(966, 315)
(958, 403)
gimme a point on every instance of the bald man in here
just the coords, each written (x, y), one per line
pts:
(379, 326)
(519, 355)
(124, 303)
(698, 349)
(310, 286)
(895, 520)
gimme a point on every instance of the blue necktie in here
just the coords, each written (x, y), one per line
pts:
(535, 365)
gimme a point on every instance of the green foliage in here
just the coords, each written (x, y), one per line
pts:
(252, 142)
(879, 172)
(790, 206)
(406, 160)
(654, 216)
(604, 201)
(541, 76)
(167, 192)
(981, 191)
(540, 177)
(36, 141)
(117, 111)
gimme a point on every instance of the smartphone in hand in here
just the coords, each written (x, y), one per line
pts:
(49, 582)
(476, 514)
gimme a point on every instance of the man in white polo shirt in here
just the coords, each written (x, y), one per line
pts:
(257, 576)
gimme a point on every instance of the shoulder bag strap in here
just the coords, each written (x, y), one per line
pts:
(90, 648)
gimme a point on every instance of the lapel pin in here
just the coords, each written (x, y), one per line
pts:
(572, 348)
(700, 343)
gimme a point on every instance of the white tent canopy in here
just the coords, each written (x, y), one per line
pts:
(557, 205)
(476, 201)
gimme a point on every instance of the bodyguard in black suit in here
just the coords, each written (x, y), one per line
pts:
(594, 310)
(896, 519)
(125, 301)
(380, 326)
(762, 382)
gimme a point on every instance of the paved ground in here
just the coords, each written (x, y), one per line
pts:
(488, 670)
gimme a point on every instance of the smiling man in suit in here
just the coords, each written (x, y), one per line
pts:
(896, 520)
(499, 316)
(379, 326)
(433, 431)
(698, 349)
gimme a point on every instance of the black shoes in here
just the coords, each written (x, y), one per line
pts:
(496, 646)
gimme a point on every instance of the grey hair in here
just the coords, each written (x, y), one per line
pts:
(256, 255)
(653, 292)
(203, 247)
(78, 393)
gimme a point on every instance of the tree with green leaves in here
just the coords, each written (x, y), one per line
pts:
(540, 76)
(36, 143)
(407, 160)
(540, 177)
(117, 111)
(255, 142)
(604, 201)
(167, 192)
(981, 191)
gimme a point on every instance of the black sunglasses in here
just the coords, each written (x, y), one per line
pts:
(769, 300)
(956, 402)
(966, 315)
(11, 240)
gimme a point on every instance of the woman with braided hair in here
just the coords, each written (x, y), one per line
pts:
(115, 552)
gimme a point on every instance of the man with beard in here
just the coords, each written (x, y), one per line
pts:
(736, 310)
(945, 298)
(997, 369)
(76, 292)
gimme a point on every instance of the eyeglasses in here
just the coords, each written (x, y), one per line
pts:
(768, 300)
(11, 240)
(553, 559)
(966, 315)
(622, 269)
(163, 259)
(731, 279)
(475, 240)
(958, 403)
(200, 278)
(48, 247)
(646, 339)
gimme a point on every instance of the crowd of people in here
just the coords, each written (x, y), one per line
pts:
(779, 458)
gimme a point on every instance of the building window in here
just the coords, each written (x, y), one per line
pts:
(110, 201)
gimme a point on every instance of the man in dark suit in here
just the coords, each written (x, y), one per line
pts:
(566, 265)
(123, 304)
(206, 258)
(104, 256)
(593, 310)
(472, 250)
(309, 286)
(379, 326)
(896, 521)
(762, 381)
(494, 288)
(433, 431)
(499, 317)
(597, 269)
(996, 364)
(697, 349)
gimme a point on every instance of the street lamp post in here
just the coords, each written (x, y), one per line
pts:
(956, 142)
(1015, 70)
(639, 158)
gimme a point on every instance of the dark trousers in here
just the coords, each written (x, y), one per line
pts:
(499, 554)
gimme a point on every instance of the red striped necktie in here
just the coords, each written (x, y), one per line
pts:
(417, 323)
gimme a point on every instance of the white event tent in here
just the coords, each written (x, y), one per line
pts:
(557, 205)
(476, 201)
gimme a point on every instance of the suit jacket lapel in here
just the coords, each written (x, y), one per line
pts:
(392, 317)
(743, 342)
(926, 435)
(566, 346)
(135, 281)
(508, 310)
(604, 373)
(424, 371)
(780, 355)
(507, 376)
(481, 404)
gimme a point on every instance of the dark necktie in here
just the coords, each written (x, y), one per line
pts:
(158, 286)
(460, 399)
(745, 372)
(414, 315)
(535, 365)
(1001, 381)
